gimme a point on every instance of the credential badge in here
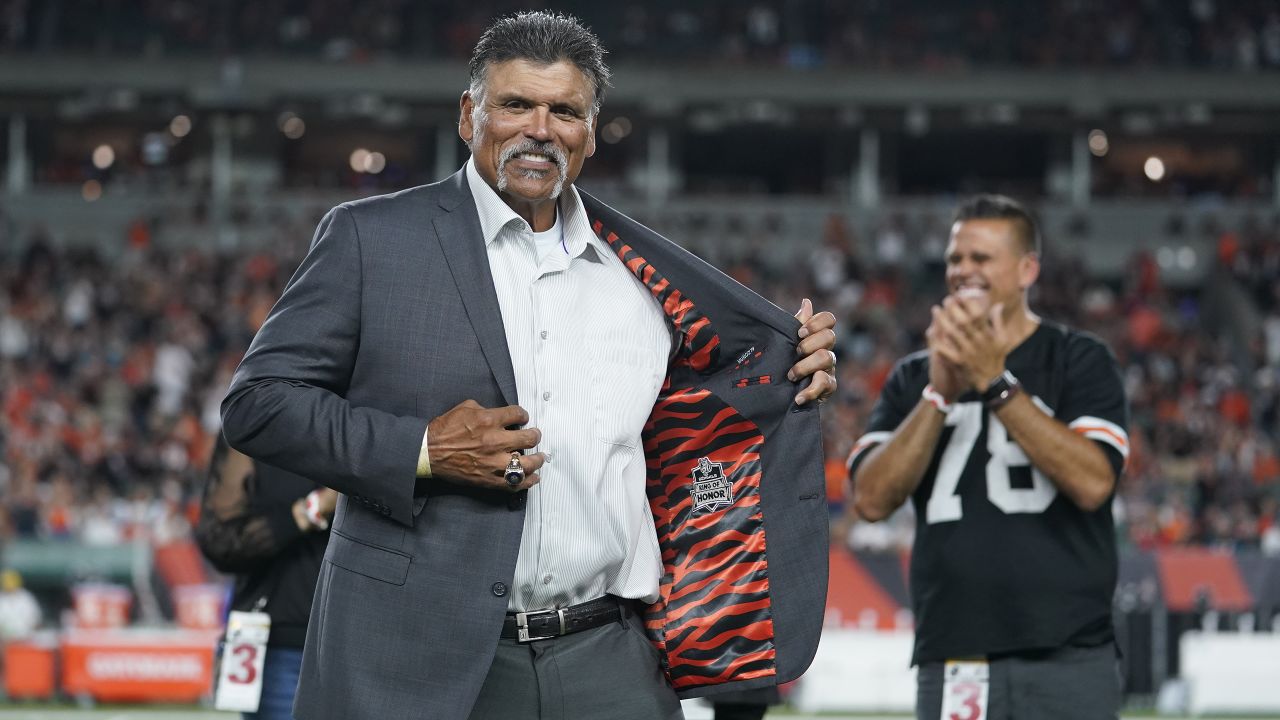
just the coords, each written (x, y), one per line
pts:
(711, 489)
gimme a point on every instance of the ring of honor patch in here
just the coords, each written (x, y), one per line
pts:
(711, 490)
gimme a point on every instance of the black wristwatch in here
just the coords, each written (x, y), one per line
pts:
(1000, 391)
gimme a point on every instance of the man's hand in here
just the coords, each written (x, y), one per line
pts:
(471, 444)
(945, 376)
(817, 338)
(315, 511)
(972, 337)
(327, 502)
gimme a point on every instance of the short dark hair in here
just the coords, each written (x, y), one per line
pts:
(545, 38)
(1002, 207)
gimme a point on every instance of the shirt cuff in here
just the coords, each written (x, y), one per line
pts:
(424, 458)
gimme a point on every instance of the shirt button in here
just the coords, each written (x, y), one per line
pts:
(546, 396)
(499, 589)
(543, 334)
(548, 457)
(546, 580)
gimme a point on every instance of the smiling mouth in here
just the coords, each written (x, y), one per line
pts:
(534, 157)
(534, 162)
(970, 286)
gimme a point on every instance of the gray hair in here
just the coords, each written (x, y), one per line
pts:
(544, 38)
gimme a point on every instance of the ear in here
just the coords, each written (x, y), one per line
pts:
(465, 107)
(591, 134)
(1028, 270)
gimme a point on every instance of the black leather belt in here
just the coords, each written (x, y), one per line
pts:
(543, 624)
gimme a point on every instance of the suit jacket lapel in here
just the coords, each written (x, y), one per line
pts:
(461, 243)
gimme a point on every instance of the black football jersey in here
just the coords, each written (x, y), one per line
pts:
(1002, 561)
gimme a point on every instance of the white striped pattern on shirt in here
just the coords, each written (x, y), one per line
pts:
(589, 345)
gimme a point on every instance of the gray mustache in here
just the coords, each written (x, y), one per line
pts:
(533, 146)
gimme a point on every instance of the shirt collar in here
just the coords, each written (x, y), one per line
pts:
(495, 215)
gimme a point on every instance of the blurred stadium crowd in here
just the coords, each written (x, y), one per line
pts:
(112, 371)
(930, 35)
(149, 220)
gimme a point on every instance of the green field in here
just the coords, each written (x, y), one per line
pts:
(46, 712)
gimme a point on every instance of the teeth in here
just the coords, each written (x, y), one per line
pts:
(534, 157)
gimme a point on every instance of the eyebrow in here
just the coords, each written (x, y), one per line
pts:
(975, 254)
(503, 98)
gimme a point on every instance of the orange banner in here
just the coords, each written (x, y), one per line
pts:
(138, 665)
(29, 667)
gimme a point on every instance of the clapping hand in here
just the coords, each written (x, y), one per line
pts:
(968, 336)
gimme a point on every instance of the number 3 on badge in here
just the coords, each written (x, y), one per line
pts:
(964, 690)
(243, 668)
(240, 676)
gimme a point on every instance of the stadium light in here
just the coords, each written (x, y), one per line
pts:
(291, 125)
(1099, 144)
(155, 148)
(91, 190)
(359, 160)
(1153, 168)
(103, 157)
(180, 126)
(616, 130)
(374, 163)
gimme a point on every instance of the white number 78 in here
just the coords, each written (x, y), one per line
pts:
(966, 418)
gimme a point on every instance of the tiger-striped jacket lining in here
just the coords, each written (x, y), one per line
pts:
(713, 618)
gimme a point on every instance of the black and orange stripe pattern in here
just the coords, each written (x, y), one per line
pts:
(699, 344)
(713, 620)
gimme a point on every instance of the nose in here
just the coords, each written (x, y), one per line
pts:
(959, 272)
(960, 268)
(539, 124)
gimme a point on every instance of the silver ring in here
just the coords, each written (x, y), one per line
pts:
(514, 473)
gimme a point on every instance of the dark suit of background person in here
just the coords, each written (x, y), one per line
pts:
(254, 526)
(392, 320)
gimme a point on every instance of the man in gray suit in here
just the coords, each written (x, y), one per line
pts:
(560, 438)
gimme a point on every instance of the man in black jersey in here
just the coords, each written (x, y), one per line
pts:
(1008, 434)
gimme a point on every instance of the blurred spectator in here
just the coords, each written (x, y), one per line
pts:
(930, 35)
(110, 374)
(269, 529)
(112, 368)
(19, 612)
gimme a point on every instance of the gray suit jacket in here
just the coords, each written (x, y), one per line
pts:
(392, 319)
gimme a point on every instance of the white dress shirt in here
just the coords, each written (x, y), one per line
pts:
(589, 345)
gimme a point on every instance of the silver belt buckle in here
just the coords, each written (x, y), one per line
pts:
(522, 626)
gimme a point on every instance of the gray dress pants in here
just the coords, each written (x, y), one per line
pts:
(607, 673)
